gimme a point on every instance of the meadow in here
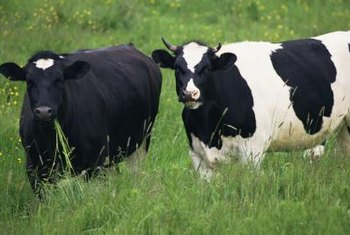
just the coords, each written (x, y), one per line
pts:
(287, 196)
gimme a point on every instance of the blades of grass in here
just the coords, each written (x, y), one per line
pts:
(62, 141)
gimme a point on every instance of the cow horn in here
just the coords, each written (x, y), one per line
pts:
(217, 48)
(169, 45)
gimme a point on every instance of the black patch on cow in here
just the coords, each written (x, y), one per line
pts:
(306, 66)
(349, 47)
(229, 114)
(237, 98)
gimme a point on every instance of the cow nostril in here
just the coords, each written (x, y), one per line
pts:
(44, 112)
(186, 96)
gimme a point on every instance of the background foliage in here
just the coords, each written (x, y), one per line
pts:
(288, 196)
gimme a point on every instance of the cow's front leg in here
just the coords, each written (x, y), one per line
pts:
(251, 151)
(201, 166)
(37, 175)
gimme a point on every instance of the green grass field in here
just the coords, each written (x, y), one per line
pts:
(288, 196)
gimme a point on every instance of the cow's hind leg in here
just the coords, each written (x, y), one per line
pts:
(135, 160)
(342, 141)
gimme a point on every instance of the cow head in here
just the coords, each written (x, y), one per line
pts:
(194, 65)
(45, 75)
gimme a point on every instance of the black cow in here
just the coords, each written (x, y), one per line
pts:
(105, 100)
(243, 99)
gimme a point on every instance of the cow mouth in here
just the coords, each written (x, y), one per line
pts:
(44, 120)
(192, 104)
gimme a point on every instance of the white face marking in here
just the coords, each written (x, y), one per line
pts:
(195, 94)
(191, 87)
(193, 54)
(44, 63)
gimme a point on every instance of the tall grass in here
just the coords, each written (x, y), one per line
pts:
(288, 195)
(62, 147)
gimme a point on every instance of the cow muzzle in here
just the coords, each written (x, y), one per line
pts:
(190, 99)
(43, 113)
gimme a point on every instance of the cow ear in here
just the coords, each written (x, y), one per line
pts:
(77, 70)
(163, 58)
(224, 61)
(12, 72)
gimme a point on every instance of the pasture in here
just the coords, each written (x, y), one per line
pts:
(287, 196)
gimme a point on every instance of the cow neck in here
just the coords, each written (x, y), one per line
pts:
(45, 138)
(205, 123)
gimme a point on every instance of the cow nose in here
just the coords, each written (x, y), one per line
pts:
(43, 113)
(186, 96)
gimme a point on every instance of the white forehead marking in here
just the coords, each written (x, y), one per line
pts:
(193, 53)
(44, 63)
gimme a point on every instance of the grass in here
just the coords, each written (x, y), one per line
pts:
(288, 196)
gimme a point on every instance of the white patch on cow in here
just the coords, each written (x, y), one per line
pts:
(195, 94)
(193, 54)
(44, 63)
(191, 88)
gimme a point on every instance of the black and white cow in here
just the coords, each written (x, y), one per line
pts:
(105, 100)
(246, 98)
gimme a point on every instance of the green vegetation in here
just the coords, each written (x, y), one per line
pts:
(288, 196)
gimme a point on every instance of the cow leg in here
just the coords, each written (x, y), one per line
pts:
(342, 141)
(251, 152)
(135, 160)
(39, 170)
(32, 174)
(254, 158)
(200, 166)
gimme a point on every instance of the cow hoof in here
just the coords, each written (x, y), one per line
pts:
(314, 154)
